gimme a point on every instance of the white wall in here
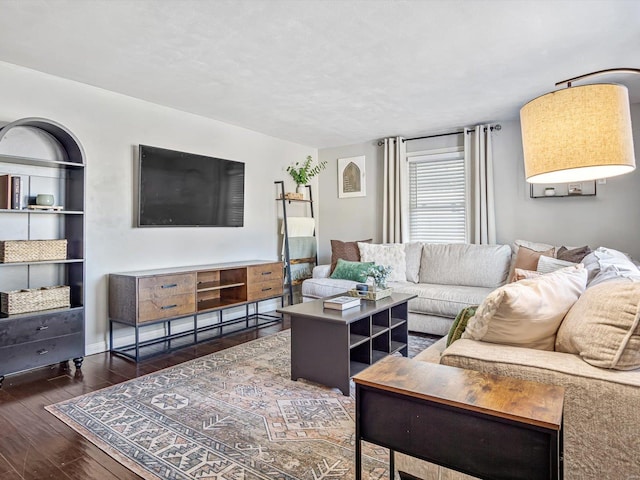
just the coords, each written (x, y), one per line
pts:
(611, 218)
(110, 126)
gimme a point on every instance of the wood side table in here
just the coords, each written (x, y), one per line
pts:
(480, 424)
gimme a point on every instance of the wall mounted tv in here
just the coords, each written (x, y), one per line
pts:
(178, 189)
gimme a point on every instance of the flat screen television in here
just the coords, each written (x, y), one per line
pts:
(178, 189)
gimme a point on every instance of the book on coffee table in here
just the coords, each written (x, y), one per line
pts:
(341, 303)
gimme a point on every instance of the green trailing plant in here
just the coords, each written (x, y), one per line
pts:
(301, 174)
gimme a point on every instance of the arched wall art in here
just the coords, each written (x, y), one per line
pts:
(351, 177)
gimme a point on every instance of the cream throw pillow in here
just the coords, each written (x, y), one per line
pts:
(528, 313)
(392, 255)
(603, 326)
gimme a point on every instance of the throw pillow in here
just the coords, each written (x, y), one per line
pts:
(550, 264)
(528, 313)
(356, 271)
(413, 253)
(388, 255)
(520, 274)
(460, 323)
(574, 255)
(346, 251)
(604, 264)
(603, 326)
(527, 259)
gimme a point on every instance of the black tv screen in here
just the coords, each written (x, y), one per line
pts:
(179, 189)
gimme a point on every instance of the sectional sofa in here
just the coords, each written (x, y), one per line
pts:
(445, 278)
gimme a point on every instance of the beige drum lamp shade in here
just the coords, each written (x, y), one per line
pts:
(577, 134)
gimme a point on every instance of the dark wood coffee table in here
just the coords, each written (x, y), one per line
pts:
(330, 346)
(483, 425)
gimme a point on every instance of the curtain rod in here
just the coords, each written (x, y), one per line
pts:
(496, 127)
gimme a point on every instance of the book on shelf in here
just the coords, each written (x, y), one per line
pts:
(5, 192)
(341, 303)
(16, 192)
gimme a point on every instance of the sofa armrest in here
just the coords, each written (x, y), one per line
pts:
(321, 271)
(600, 411)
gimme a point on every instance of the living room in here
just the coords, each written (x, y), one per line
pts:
(40, 79)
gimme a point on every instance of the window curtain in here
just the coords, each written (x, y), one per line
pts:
(479, 160)
(394, 216)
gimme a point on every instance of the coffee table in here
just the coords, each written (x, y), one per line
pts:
(488, 426)
(330, 346)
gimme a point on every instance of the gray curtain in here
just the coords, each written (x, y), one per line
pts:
(394, 214)
(479, 161)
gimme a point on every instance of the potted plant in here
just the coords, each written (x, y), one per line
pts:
(301, 174)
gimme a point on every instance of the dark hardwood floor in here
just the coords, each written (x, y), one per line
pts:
(36, 445)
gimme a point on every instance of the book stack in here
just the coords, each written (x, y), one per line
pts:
(341, 303)
(10, 192)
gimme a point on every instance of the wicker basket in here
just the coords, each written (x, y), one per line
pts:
(34, 299)
(32, 250)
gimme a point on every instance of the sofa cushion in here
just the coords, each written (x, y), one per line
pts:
(356, 271)
(325, 287)
(413, 254)
(387, 255)
(441, 300)
(346, 251)
(603, 326)
(528, 313)
(465, 264)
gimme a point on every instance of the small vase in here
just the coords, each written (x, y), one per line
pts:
(300, 190)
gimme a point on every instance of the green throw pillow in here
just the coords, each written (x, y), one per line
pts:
(356, 271)
(460, 323)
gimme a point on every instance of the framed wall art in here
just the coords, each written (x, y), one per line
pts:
(351, 177)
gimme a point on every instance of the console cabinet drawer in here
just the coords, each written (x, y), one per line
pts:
(164, 286)
(265, 289)
(44, 352)
(264, 273)
(166, 306)
(14, 331)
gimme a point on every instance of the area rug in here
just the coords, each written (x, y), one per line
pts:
(234, 414)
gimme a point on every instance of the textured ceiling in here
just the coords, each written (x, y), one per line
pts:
(327, 73)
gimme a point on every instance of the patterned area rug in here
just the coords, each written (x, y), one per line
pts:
(234, 414)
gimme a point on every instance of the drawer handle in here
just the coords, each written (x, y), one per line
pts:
(267, 289)
(43, 327)
(167, 307)
(267, 273)
(169, 285)
(43, 352)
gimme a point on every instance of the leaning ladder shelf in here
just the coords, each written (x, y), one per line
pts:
(288, 261)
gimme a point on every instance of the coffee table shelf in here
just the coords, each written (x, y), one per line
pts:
(329, 346)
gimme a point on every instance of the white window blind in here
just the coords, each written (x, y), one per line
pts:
(437, 197)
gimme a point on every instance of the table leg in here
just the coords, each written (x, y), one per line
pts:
(392, 464)
(358, 459)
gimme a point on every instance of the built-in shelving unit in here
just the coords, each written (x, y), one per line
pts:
(150, 298)
(47, 158)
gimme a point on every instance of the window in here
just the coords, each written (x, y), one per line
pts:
(438, 196)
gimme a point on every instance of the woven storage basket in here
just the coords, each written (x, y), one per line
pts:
(34, 299)
(32, 250)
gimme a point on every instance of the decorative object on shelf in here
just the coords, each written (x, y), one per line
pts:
(34, 299)
(55, 208)
(301, 174)
(293, 196)
(379, 274)
(45, 200)
(578, 133)
(32, 250)
(351, 177)
(573, 189)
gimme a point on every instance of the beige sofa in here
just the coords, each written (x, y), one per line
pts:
(445, 277)
(596, 359)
